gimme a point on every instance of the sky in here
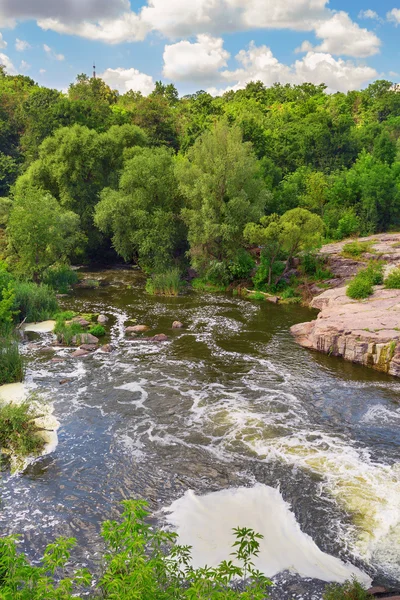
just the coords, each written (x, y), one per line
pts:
(213, 45)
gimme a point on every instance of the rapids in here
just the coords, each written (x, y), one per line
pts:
(229, 402)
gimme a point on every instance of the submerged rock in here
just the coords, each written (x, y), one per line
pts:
(102, 319)
(106, 348)
(88, 347)
(80, 321)
(160, 337)
(137, 329)
(79, 353)
(177, 325)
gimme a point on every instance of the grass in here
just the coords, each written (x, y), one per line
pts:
(392, 281)
(356, 249)
(202, 285)
(165, 284)
(18, 431)
(60, 278)
(34, 302)
(11, 362)
(64, 332)
(362, 285)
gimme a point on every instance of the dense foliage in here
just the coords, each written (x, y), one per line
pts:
(173, 182)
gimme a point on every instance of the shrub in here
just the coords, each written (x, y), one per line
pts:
(392, 281)
(202, 285)
(356, 249)
(18, 431)
(242, 266)
(361, 286)
(34, 302)
(165, 284)
(260, 279)
(65, 332)
(11, 362)
(218, 273)
(97, 330)
(350, 590)
(60, 278)
(349, 224)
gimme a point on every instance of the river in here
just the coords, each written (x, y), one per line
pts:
(229, 402)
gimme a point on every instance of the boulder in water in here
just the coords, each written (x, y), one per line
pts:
(137, 329)
(88, 347)
(177, 325)
(160, 337)
(102, 319)
(106, 348)
(80, 321)
(84, 338)
(79, 353)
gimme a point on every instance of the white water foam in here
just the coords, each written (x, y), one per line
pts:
(206, 523)
(42, 327)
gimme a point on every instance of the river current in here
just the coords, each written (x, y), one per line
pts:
(229, 401)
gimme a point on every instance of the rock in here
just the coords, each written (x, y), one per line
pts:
(64, 381)
(79, 353)
(84, 338)
(57, 360)
(102, 319)
(273, 299)
(80, 320)
(88, 347)
(106, 348)
(177, 325)
(364, 332)
(377, 590)
(160, 337)
(137, 329)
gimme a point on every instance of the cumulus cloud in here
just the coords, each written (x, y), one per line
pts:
(24, 66)
(124, 80)
(3, 43)
(259, 64)
(368, 14)
(126, 28)
(72, 11)
(42, 71)
(50, 52)
(5, 61)
(198, 61)
(394, 16)
(341, 35)
(21, 45)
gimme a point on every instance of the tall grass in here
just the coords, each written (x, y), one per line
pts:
(165, 284)
(60, 278)
(18, 431)
(34, 302)
(11, 361)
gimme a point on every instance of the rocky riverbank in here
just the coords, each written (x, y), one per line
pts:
(365, 332)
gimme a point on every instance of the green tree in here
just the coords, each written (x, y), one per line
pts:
(40, 233)
(221, 181)
(142, 216)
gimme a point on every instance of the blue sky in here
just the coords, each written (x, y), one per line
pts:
(202, 44)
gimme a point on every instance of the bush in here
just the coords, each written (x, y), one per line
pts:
(349, 224)
(18, 431)
(260, 279)
(361, 286)
(11, 362)
(218, 273)
(34, 302)
(356, 249)
(65, 332)
(60, 278)
(350, 590)
(392, 281)
(97, 330)
(242, 266)
(165, 284)
(140, 562)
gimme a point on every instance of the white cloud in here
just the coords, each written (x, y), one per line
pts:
(42, 71)
(124, 80)
(126, 28)
(3, 43)
(306, 46)
(394, 16)
(368, 14)
(6, 62)
(259, 64)
(72, 11)
(52, 54)
(341, 35)
(21, 45)
(24, 66)
(198, 61)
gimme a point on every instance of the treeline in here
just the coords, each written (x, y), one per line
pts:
(173, 182)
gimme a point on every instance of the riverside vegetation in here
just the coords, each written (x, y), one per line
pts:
(233, 191)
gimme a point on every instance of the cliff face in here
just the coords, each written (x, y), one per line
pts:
(365, 332)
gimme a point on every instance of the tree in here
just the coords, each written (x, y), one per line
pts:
(142, 216)
(222, 183)
(40, 233)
